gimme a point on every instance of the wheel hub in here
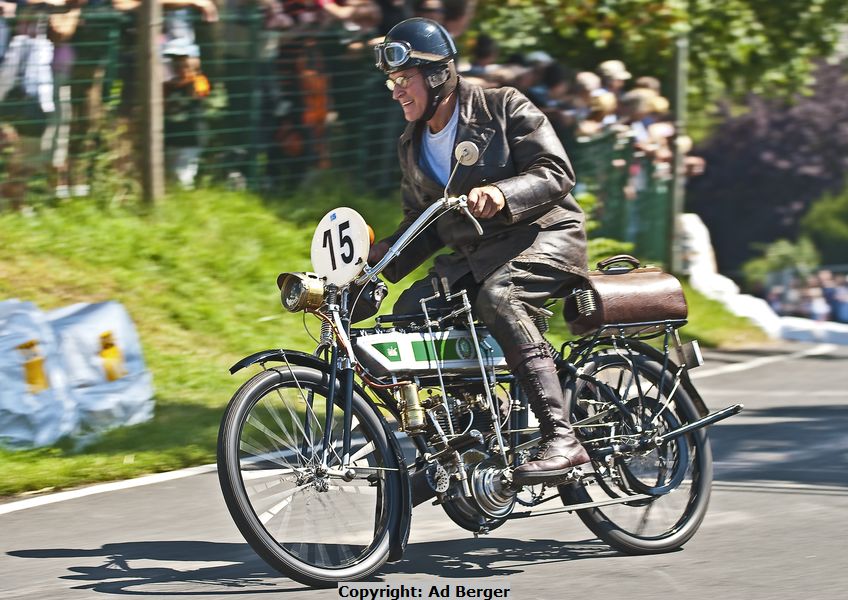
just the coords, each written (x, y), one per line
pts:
(494, 498)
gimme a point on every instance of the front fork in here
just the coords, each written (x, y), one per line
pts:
(344, 373)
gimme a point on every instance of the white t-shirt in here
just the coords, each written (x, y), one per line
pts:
(437, 149)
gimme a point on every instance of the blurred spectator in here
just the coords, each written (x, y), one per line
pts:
(647, 82)
(90, 51)
(299, 128)
(552, 89)
(26, 100)
(537, 61)
(249, 75)
(840, 299)
(429, 9)
(392, 12)
(774, 297)
(551, 96)
(359, 14)
(820, 297)
(815, 305)
(62, 27)
(484, 58)
(458, 15)
(601, 117)
(7, 12)
(586, 84)
(613, 76)
(636, 109)
(184, 96)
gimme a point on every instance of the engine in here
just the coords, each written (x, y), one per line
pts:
(466, 472)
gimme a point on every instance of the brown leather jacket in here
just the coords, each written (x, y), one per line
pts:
(521, 155)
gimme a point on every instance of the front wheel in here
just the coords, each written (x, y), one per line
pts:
(307, 511)
(624, 399)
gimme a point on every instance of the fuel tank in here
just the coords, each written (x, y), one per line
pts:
(395, 352)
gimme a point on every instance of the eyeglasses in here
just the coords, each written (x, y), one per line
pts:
(401, 82)
(393, 54)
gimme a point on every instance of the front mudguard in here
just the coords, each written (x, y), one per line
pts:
(400, 532)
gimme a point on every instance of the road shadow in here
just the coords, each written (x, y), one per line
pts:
(798, 444)
(490, 556)
(130, 568)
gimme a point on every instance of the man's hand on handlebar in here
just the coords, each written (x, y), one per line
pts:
(485, 202)
(377, 252)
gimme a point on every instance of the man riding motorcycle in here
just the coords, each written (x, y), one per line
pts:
(533, 245)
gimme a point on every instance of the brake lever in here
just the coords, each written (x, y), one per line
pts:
(476, 223)
(463, 206)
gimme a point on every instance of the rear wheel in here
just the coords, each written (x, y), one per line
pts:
(309, 513)
(669, 485)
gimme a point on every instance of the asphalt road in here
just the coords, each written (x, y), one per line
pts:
(776, 527)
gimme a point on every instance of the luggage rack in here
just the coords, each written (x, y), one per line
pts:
(643, 330)
(613, 334)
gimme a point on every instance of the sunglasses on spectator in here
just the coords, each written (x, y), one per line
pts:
(401, 82)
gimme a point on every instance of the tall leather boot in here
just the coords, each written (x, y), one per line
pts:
(560, 450)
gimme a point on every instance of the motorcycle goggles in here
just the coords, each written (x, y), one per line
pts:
(390, 56)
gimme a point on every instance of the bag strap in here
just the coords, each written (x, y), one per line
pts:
(618, 258)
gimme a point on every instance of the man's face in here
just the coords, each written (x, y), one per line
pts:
(413, 97)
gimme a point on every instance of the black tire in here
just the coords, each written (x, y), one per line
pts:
(316, 527)
(677, 477)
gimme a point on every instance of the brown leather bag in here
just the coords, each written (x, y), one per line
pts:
(624, 295)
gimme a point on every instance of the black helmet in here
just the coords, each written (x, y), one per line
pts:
(424, 44)
(414, 42)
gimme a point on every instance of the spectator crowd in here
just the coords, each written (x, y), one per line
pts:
(822, 296)
(60, 59)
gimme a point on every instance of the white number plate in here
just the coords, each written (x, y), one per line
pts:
(340, 246)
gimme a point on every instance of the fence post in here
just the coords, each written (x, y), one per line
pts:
(678, 193)
(150, 85)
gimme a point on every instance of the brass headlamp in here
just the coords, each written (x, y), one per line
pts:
(300, 291)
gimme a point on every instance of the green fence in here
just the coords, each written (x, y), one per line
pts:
(246, 106)
(633, 192)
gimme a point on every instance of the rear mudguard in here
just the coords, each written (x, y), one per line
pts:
(400, 535)
(685, 381)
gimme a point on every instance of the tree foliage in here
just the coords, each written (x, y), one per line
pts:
(798, 259)
(826, 224)
(766, 167)
(739, 46)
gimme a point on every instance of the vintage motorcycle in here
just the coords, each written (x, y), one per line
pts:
(321, 457)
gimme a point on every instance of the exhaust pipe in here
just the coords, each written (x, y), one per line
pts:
(711, 418)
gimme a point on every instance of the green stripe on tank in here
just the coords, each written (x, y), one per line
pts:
(445, 350)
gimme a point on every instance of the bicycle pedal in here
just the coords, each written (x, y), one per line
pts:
(575, 474)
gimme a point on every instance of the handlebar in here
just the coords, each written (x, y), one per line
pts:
(438, 208)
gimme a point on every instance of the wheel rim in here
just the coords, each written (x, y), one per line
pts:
(670, 475)
(314, 508)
